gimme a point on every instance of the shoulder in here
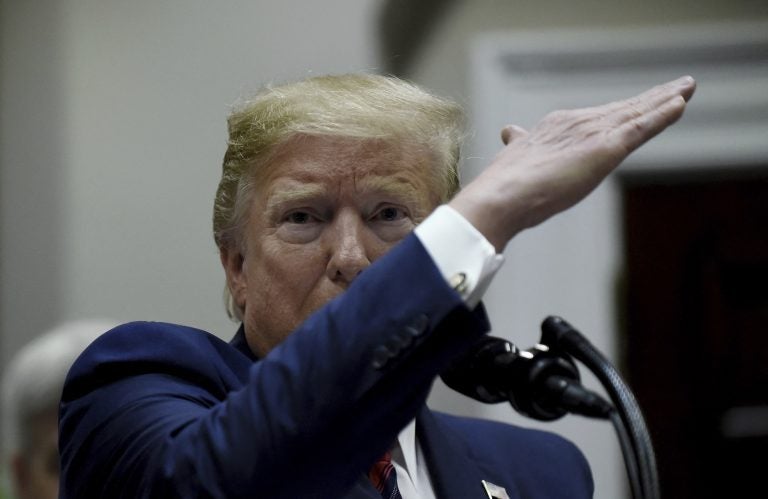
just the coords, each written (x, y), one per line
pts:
(133, 388)
(154, 335)
(152, 342)
(139, 348)
(538, 460)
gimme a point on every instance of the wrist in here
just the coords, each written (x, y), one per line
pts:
(490, 217)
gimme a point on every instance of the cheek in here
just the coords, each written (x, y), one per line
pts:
(383, 238)
(280, 274)
(284, 283)
(381, 249)
(389, 234)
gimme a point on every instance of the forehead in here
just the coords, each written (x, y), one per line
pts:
(366, 164)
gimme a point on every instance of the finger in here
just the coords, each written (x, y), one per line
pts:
(660, 94)
(512, 132)
(640, 129)
(647, 102)
(688, 87)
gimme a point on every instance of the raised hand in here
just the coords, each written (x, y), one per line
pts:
(558, 162)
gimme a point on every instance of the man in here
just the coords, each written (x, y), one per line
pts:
(32, 384)
(354, 293)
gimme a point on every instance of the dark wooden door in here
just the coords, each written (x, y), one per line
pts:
(695, 324)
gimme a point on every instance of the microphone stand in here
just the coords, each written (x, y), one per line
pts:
(626, 417)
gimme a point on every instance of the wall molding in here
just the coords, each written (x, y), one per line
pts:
(519, 76)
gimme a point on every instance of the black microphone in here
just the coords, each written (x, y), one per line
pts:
(541, 383)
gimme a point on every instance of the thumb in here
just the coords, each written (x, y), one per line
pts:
(512, 132)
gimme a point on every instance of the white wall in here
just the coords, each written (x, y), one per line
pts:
(112, 134)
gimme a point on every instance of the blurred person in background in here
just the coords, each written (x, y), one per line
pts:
(31, 390)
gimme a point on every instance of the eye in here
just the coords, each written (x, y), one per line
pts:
(298, 217)
(300, 226)
(390, 214)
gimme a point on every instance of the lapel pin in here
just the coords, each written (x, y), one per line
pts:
(494, 491)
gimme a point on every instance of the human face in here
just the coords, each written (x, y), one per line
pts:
(324, 209)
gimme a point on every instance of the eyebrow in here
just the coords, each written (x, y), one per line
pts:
(386, 185)
(297, 192)
(393, 186)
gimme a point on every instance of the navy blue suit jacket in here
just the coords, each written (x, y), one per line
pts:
(161, 410)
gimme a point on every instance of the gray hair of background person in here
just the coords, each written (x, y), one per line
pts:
(357, 106)
(33, 380)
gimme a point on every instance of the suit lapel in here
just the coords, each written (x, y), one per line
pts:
(452, 467)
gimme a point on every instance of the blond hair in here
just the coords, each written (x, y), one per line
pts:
(359, 106)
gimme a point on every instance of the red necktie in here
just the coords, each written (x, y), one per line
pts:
(384, 477)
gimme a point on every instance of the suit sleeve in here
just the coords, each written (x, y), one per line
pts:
(151, 415)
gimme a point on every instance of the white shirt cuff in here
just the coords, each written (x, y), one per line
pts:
(462, 254)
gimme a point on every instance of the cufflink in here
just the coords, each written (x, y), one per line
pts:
(459, 283)
(494, 491)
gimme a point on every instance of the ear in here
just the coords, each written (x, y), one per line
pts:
(232, 261)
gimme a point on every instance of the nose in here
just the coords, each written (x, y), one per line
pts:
(347, 246)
